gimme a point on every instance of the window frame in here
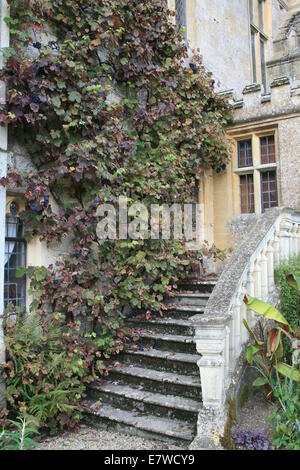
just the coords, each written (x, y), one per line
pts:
(246, 165)
(263, 172)
(255, 135)
(258, 42)
(17, 240)
(182, 16)
(246, 175)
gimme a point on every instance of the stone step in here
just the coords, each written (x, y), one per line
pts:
(197, 299)
(172, 343)
(183, 312)
(130, 397)
(197, 285)
(170, 326)
(188, 386)
(182, 363)
(166, 429)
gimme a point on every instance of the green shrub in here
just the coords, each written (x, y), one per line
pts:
(286, 419)
(45, 372)
(289, 298)
(17, 435)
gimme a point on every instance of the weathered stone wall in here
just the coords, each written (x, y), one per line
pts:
(289, 163)
(221, 30)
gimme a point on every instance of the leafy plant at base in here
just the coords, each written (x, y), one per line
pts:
(251, 439)
(289, 298)
(286, 421)
(18, 435)
(111, 109)
(46, 370)
(265, 355)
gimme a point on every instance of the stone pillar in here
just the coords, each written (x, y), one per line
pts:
(270, 258)
(276, 248)
(264, 276)
(257, 278)
(237, 327)
(295, 240)
(211, 343)
(4, 42)
(285, 236)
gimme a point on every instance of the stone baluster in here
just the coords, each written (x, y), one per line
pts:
(244, 332)
(232, 341)
(294, 240)
(264, 275)
(276, 248)
(227, 368)
(284, 240)
(257, 278)
(270, 265)
(298, 238)
(237, 327)
(251, 291)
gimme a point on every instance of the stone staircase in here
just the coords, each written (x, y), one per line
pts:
(154, 390)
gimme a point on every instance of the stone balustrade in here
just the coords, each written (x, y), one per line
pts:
(220, 334)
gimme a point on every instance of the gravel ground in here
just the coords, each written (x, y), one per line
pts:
(255, 414)
(89, 438)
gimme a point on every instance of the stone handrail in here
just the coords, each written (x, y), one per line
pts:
(219, 333)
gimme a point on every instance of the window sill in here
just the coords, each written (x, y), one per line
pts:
(248, 169)
(244, 169)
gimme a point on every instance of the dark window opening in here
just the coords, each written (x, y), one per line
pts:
(253, 52)
(261, 14)
(245, 153)
(263, 64)
(251, 11)
(15, 256)
(269, 193)
(267, 150)
(180, 7)
(247, 194)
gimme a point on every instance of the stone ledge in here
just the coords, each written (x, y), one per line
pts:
(280, 81)
(253, 88)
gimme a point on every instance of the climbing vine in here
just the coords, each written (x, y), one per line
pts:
(107, 102)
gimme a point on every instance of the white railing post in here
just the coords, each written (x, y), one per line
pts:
(276, 247)
(211, 344)
(284, 240)
(251, 291)
(264, 275)
(257, 277)
(237, 328)
(294, 240)
(270, 266)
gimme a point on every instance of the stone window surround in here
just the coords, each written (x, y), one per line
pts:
(260, 35)
(257, 167)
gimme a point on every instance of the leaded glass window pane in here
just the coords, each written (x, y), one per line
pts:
(180, 7)
(267, 150)
(247, 194)
(269, 194)
(15, 256)
(245, 153)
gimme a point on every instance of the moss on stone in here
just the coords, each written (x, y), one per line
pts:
(243, 396)
(226, 440)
